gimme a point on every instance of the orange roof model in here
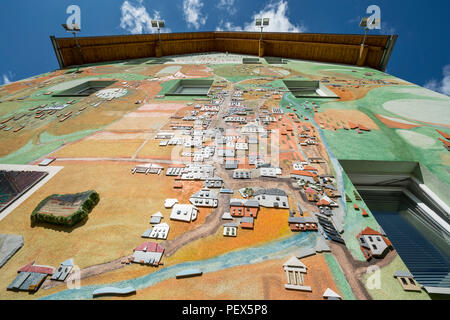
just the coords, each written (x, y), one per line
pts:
(445, 142)
(303, 173)
(364, 213)
(311, 190)
(446, 136)
(355, 206)
(370, 232)
(323, 202)
(361, 127)
(352, 125)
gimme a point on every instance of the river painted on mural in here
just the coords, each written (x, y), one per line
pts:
(270, 251)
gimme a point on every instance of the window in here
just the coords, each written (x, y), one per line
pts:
(250, 61)
(309, 89)
(375, 247)
(84, 89)
(275, 60)
(190, 87)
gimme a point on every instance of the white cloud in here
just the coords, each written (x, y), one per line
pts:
(228, 26)
(193, 14)
(228, 5)
(279, 21)
(136, 20)
(441, 86)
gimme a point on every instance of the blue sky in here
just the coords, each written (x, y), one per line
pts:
(421, 54)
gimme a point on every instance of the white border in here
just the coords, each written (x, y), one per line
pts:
(51, 170)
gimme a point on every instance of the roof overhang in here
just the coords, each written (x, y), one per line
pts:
(331, 48)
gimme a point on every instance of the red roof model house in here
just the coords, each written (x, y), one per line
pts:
(373, 244)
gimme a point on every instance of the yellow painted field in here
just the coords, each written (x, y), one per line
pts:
(271, 224)
(113, 228)
(100, 149)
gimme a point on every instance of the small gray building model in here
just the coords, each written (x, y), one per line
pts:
(241, 174)
(63, 271)
(204, 198)
(156, 218)
(149, 253)
(215, 182)
(272, 198)
(231, 164)
(30, 278)
(230, 229)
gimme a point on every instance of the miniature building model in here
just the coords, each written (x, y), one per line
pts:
(373, 243)
(305, 176)
(329, 227)
(331, 295)
(241, 174)
(160, 231)
(247, 223)
(148, 253)
(295, 271)
(230, 229)
(198, 172)
(406, 280)
(204, 198)
(156, 218)
(215, 182)
(184, 212)
(63, 270)
(30, 277)
(244, 208)
(272, 198)
(147, 168)
(227, 216)
(302, 223)
(169, 203)
(269, 172)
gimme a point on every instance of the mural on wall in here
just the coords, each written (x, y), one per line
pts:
(217, 173)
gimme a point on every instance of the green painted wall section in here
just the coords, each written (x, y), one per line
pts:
(339, 277)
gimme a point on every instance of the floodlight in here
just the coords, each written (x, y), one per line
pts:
(262, 22)
(363, 23)
(160, 24)
(366, 22)
(72, 28)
